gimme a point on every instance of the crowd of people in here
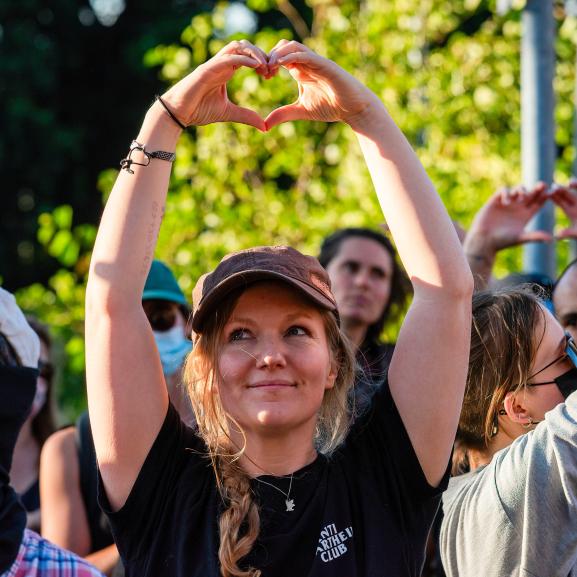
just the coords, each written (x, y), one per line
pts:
(268, 430)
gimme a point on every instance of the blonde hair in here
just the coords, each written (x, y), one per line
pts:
(239, 524)
(503, 348)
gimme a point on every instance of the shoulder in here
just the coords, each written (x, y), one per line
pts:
(60, 452)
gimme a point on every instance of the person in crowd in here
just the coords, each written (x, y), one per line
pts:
(565, 298)
(23, 553)
(371, 289)
(517, 438)
(72, 517)
(276, 481)
(39, 425)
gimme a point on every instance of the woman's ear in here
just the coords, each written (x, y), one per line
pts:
(515, 408)
(332, 376)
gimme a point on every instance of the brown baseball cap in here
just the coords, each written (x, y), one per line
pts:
(240, 269)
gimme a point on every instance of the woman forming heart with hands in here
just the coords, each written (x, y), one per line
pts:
(278, 479)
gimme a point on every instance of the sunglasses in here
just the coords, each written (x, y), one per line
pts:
(569, 353)
(161, 315)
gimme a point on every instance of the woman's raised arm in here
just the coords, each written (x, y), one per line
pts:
(428, 371)
(126, 391)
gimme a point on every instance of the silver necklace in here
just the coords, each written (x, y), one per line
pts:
(290, 503)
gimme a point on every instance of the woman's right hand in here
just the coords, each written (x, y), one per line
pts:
(201, 97)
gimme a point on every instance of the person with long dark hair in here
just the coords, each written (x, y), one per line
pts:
(371, 289)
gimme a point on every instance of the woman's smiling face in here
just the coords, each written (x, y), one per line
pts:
(274, 361)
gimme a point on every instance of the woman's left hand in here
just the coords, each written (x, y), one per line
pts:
(326, 92)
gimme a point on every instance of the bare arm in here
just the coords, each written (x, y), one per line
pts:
(126, 392)
(429, 366)
(64, 519)
(428, 371)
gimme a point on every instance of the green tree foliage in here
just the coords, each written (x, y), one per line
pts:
(448, 71)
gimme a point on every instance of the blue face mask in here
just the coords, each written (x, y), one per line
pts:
(173, 347)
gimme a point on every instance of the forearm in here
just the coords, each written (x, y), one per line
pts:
(131, 220)
(424, 235)
(481, 261)
(105, 560)
(127, 397)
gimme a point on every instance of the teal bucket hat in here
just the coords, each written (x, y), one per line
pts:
(161, 284)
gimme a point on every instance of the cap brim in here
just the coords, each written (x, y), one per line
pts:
(244, 279)
(164, 296)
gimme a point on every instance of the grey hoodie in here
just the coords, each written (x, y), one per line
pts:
(518, 515)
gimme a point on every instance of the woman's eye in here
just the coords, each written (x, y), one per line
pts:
(239, 335)
(297, 331)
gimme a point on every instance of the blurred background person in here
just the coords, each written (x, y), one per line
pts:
(371, 289)
(565, 298)
(72, 516)
(23, 553)
(39, 425)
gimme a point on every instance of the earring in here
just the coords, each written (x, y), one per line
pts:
(529, 424)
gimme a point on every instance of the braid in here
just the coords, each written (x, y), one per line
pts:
(239, 524)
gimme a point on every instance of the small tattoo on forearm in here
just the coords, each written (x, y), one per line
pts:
(151, 235)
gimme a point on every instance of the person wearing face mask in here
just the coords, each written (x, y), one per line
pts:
(68, 475)
(511, 510)
(167, 312)
(39, 425)
(23, 552)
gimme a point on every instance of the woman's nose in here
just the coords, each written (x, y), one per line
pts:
(271, 355)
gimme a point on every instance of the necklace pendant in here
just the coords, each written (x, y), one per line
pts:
(290, 505)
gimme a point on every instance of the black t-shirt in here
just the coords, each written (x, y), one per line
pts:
(365, 511)
(17, 387)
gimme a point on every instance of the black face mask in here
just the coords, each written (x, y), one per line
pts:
(567, 382)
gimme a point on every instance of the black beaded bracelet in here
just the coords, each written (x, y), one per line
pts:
(170, 113)
(125, 163)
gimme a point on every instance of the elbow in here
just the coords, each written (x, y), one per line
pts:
(107, 297)
(461, 286)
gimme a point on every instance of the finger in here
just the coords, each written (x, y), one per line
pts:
(285, 114)
(517, 194)
(243, 115)
(505, 195)
(535, 236)
(251, 50)
(281, 51)
(537, 196)
(567, 233)
(226, 61)
(563, 197)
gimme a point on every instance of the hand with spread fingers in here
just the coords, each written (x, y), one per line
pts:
(500, 224)
(502, 220)
(326, 92)
(201, 97)
(565, 197)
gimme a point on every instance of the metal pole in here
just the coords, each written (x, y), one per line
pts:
(537, 132)
(572, 243)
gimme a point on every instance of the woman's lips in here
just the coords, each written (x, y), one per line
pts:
(271, 385)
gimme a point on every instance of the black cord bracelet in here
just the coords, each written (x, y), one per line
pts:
(125, 163)
(170, 113)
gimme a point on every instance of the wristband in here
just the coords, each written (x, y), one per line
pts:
(125, 163)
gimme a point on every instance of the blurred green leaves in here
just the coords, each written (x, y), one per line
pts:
(448, 71)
